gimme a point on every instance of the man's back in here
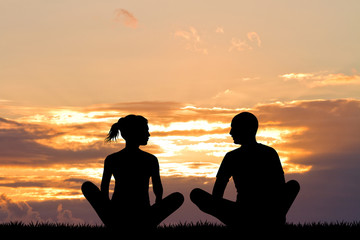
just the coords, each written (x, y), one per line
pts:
(257, 173)
(262, 195)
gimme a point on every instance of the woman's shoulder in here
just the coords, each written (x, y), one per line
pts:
(114, 156)
(149, 155)
(124, 155)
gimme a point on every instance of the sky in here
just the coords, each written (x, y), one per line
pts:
(70, 69)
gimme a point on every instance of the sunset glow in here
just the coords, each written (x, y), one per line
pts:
(186, 149)
(71, 69)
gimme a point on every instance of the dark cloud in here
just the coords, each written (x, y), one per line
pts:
(17, 211)
(330, 137)
(156, 112)
(66, 216)
(80, 211)
(75, 180)
(329, 191)
(15, 184)
(57, 211)
(127, 18)
(19, 146)
(332, 125)
(191, 132)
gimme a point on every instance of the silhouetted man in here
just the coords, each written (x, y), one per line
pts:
(262, 195)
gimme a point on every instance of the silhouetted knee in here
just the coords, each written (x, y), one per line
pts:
(88, 188)
(209, 204)
(177, 198)
(194, 194)
(197, 194)
(86, 185)
(293, 185)
(292, 189)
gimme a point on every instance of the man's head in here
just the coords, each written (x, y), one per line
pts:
(244, 127)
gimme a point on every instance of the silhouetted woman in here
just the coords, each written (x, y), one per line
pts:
(132, 169)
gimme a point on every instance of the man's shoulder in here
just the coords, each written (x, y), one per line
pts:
(266, 148)
(233, 153)
(259, 148)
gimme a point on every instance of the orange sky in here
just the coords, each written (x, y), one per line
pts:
(68, 70)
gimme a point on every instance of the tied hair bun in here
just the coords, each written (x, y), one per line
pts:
(114, 132)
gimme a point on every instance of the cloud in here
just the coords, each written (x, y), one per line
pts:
(66, 216)
(17, 211)
(318, 138)
(25, 144)
(239, 45)
(219, 30)
(127, 18)
(254, 37)
(67, 136)
(245, 44)
(12, 211)
(329, 191)
(227, 92)
(192, 39)
(47, 144)
(322, 79)
(326, 122)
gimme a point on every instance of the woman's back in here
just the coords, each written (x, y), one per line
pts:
(132, 169)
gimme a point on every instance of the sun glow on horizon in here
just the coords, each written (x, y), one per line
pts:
(185, 148)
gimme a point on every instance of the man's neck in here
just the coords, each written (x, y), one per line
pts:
(249, 142)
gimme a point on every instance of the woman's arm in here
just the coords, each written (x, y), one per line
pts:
(105, 182)
(157, 187)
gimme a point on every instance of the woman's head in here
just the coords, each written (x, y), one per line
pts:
(133, 128)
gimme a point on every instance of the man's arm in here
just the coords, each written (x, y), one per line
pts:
(278, 170)
(219, 187)
(156, 182)
(222, 178)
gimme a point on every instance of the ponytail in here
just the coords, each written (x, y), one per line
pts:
(113, 133)
(126, 125)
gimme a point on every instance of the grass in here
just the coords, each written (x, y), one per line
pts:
(186, 230)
